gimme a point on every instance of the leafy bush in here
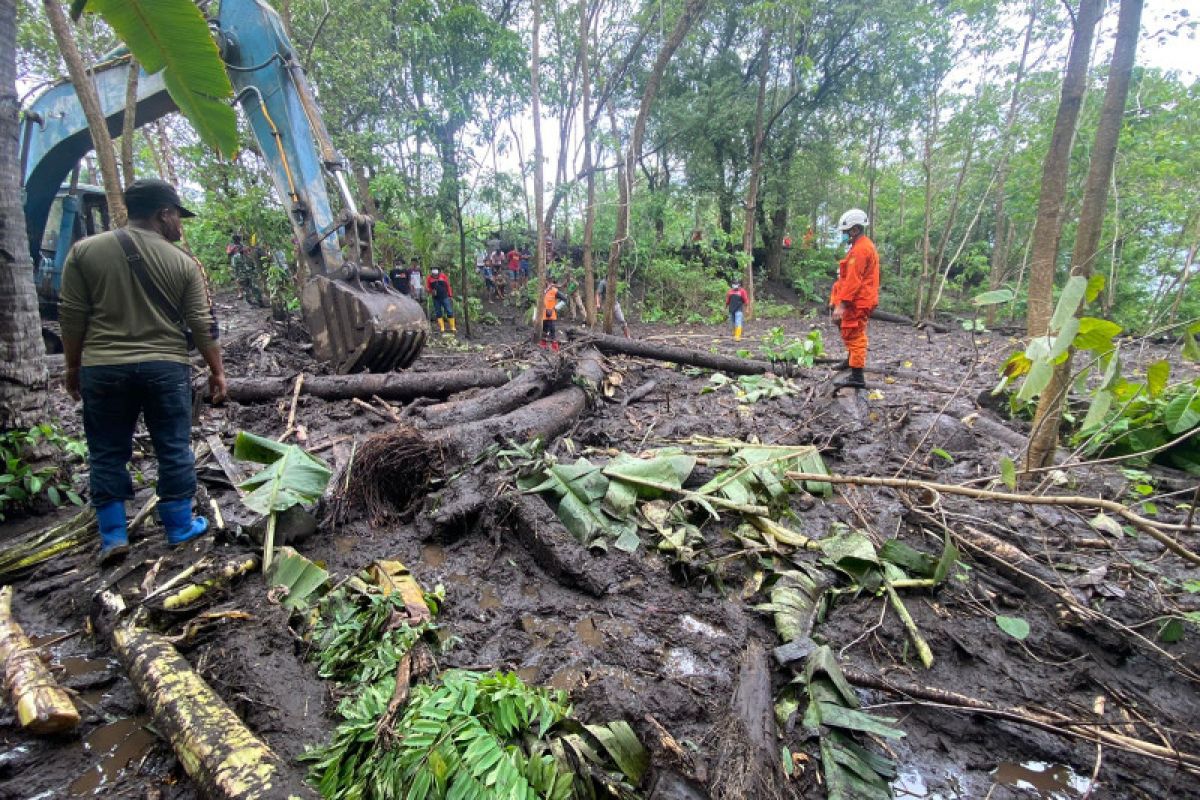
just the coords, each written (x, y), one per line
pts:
(674, 291)
(25, 480)
(767, 310)
(1146, 417)
(475, 312)
(803, 352)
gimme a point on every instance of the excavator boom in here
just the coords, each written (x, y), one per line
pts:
(357, 322)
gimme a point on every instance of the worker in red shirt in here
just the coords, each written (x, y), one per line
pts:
(736, 303)
(437, 285)
(855, 294)
(514, 265)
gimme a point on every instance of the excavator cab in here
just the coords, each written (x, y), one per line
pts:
(358, 322)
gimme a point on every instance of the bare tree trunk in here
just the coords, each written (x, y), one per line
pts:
(691, 10)
(164, 144)
(1043, 439)
(22, 366)
(101, 141)
(538, 169)
(947, 229)
(927, 168)
(128, 124)
(998, 267)
(589, 214)
(764, 56)
(1048, 227)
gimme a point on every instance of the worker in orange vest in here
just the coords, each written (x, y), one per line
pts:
(855, 295)
(550, 309)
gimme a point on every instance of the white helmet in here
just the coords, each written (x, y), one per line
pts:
(855, 216)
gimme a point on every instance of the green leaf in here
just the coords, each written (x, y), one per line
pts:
(173, 35)
(1171, 631)
(1037, 380)
(1064, 339)
(1008, 473)
(292, 477)
(1015, 627)
(1191, 348)
(619, 740)
(301, 577)
(838, 716)
(1183, 410)
(943, 454)
(909, 558)
(1096, 334)
(852, 552)
(1068, 302)
(1097, 410)
(994, 297)
(823, 662)
(1095, 286)
(1156, 377)
(948, 559)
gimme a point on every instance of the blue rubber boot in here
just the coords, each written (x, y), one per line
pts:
(114, 536)
(177, 519)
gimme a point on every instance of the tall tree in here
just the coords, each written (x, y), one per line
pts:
(691, 10)
(90, 103)
(756, 159)
(589, 127)
(22, 366)
(538, 166)
(1048, 227)
(1044, 437)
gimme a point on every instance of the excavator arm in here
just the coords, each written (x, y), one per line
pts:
(356, 322)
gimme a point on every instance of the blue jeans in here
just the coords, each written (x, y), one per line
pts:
(735, 319)
(113, 398)
(442, 308)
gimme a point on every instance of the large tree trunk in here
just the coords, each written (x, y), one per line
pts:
(22, 369)
(389, 386)
(1048, 227)
(1043, 439)
(764, 57)
(691, 10)
(101, 141)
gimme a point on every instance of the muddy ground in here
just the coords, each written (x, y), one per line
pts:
(665, 642)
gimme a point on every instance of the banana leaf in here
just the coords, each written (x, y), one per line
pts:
(172, 35)
(666, 469)
(580, 488)
(292, 476)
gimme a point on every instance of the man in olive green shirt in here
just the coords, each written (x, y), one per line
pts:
(127, 356)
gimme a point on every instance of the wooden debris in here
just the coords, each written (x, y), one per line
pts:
(216, 749)
(390, 385)
(42, 706)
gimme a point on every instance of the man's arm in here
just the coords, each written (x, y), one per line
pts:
(203, 324)
(74, 306)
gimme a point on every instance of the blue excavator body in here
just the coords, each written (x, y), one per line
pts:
(357, 322)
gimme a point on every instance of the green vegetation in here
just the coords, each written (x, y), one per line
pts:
(37, 465)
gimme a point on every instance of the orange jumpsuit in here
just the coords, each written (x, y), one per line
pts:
(857, 286)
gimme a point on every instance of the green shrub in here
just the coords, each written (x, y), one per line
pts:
(24, 480)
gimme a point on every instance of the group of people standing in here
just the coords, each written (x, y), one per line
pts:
(436, 286)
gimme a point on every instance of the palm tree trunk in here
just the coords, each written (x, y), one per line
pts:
(22, 366)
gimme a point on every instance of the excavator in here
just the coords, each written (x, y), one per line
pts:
(358, 323)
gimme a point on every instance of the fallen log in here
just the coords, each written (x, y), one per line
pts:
(732, 365)
(390, 385)
(900, 319)
(216, 749)
(42, 706)
(530, 385)
(748, 765)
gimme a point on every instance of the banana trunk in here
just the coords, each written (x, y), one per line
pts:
(225, 574)
(42, 707)
(218, 751)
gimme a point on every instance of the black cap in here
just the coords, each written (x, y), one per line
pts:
(147, 195)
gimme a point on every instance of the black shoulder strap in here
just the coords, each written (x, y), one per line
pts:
(138, 267)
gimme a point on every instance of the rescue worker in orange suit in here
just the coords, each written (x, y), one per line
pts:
(551, 303)
(855, 295)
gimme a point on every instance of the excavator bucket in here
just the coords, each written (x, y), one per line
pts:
(360, 330)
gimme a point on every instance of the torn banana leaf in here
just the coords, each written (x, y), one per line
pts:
(795, 603)
(667, 469)
(853, 553)
(851, 771)
(301, 577)
(580, 488)
(757, 473)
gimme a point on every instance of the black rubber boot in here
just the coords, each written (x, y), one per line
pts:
(843, 366)
(854, 380)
